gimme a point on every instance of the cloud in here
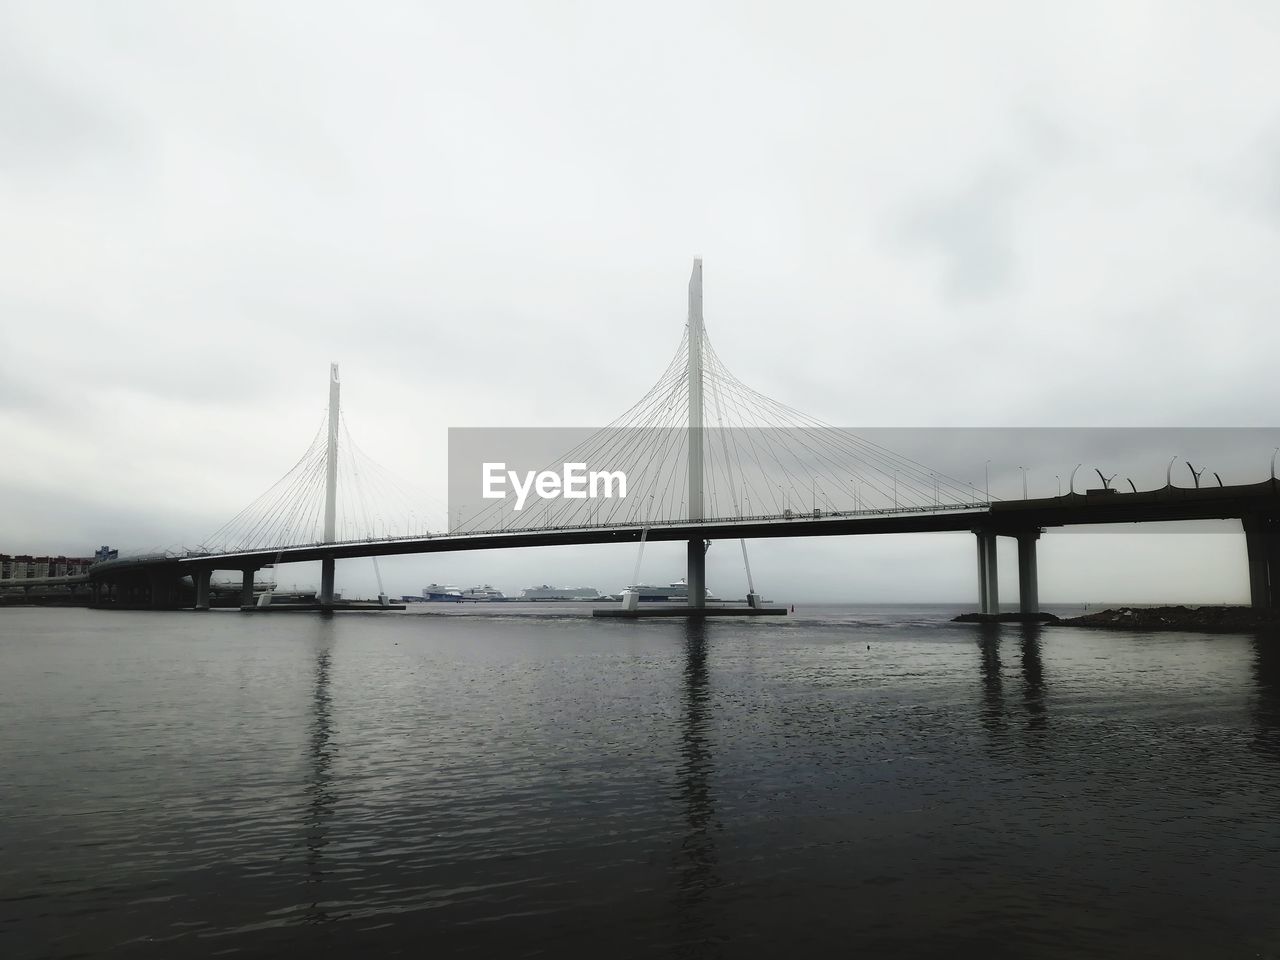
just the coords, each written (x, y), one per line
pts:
(486, 215)
(971, 230)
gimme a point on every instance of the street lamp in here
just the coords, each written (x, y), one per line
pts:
(1024, 482)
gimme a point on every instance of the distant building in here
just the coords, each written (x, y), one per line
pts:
(27, 567)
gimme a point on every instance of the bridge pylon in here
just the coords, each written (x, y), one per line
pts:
(330, 487)
(696, 577)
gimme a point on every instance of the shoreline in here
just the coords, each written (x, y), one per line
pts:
(1208, 619)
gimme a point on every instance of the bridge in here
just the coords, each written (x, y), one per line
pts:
(702, 447)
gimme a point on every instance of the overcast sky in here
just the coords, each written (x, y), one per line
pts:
(911, 214)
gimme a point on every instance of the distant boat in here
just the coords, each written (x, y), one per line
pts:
(677, 592)
(548, 592)
(436, 591)
(485, 593)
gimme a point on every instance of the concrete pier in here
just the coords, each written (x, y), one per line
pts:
(246, 586)
(1262, 541)
(326, 581)
(988, 575)
(202, 579)
(1028, 578)
(697, 573)
(160, 588)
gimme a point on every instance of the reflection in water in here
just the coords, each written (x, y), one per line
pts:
(749, 810)
(1266, 678)
(319, 786)
(696, 870)
(993, 711)
(1033, 678)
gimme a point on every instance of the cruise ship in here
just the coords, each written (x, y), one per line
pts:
(486, 593)
(548, 592)
(677, 592)
(436, 591)
(448, 594)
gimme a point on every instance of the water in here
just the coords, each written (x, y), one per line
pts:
(475, 785)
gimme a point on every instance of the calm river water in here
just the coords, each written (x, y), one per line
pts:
(871, 780)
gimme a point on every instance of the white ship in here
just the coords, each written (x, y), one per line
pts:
(450, 594)
(677, 592)
(436, 591)
(548, 592)
(485, 593)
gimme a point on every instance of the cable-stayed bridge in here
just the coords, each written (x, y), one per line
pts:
(706, 458)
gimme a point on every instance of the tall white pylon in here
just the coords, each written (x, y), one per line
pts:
(331, 486)
(695, 392)
(697, 564)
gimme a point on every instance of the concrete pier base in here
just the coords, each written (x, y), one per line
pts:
(160, 589)
(988, 575)
(202, 579)
(1262, 541)
(1028, 579)
(326, 581)
(246, 587)
(697, 574)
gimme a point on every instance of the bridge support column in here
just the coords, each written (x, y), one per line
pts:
(202, 579)
(1028, 579)
(326, 581)
(988, 577)
(160, 590)
(696, 577)
(1262, 541)
(246, 587)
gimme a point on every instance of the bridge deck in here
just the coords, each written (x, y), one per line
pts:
(1168, 504)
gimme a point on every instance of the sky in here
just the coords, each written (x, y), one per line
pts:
(910, 215)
